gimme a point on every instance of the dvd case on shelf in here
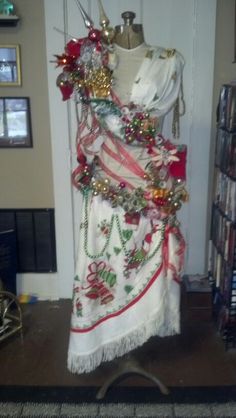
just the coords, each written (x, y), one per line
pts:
(222, 247)
(227, 107)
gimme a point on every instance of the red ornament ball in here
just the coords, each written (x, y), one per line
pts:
(94, 35)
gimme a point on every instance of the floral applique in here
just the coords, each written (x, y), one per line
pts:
(77, 305)
(104, 227)
(164, 156)
(132, 219)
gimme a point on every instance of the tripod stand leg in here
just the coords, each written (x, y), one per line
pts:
(126, 370)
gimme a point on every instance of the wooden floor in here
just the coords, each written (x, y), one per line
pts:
(196, 357)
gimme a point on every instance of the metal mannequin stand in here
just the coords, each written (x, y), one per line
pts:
(129, 366)
(10, 315)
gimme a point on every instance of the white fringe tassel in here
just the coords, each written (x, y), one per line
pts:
(86, 363)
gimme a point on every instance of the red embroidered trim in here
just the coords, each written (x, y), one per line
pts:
(113, 315)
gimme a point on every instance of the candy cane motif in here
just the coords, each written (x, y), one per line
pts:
(96, 287)
(179, 252)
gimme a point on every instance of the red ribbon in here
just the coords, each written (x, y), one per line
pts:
(180, 251)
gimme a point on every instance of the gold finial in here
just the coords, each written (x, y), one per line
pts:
(104, 21)
(108, 32)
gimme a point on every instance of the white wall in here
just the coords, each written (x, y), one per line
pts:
(189, 26)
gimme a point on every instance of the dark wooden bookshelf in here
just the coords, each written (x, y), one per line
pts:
(222, 248)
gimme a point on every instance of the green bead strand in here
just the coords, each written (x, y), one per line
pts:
(114, 218)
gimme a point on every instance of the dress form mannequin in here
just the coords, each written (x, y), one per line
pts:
(129, 35)
(131, 49)
(130, 253)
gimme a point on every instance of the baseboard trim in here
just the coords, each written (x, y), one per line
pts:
(43, 285)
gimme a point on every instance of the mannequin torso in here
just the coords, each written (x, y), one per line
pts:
(129, 61)
(129, 35)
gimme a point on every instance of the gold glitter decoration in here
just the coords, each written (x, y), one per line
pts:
(99, 82)
(156, 192)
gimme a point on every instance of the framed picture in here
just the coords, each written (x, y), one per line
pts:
(10, 66)
(15, 122)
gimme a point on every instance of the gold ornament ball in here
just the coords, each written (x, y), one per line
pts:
(177, 205)
(108, 34)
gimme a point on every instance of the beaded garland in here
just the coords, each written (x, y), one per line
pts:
(136, 257)
(156, 195)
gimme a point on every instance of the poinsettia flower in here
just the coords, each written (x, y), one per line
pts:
(164, 156)
(73, 47)
(64, 60)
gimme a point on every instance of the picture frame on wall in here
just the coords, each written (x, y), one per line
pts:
(10, 65)
(15, 122)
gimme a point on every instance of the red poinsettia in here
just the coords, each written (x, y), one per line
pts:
(64, 60)
(178, 168)
(73, 47)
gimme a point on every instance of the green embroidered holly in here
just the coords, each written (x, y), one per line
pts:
(127, 234)
(128, 289)
(117, 250)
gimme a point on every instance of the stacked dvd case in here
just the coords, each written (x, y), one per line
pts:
(222, 247)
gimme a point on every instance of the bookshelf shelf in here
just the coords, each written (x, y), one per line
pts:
(222, 246)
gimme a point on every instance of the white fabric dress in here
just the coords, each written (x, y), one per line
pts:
(126, 286)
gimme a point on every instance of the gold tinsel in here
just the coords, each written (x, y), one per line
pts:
(99, 82)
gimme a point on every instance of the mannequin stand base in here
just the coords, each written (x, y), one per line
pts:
(130, 367)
